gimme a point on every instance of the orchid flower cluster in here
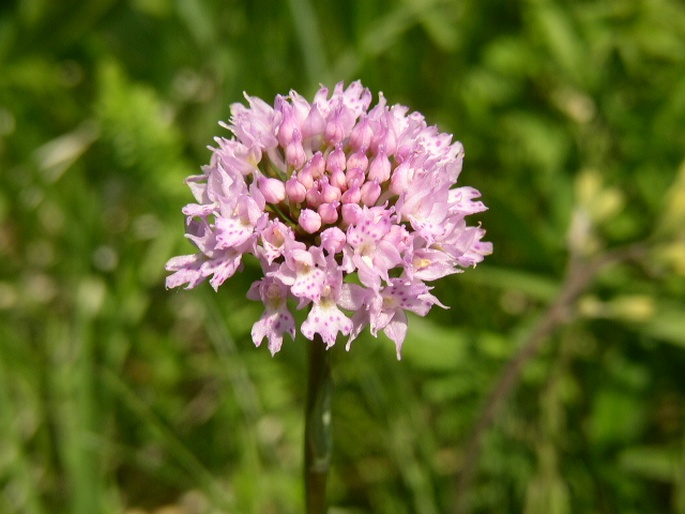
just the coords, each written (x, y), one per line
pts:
(348, 209)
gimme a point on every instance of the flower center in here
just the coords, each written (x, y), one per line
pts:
(308, 194)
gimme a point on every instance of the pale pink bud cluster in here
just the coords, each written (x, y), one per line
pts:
(349, 210)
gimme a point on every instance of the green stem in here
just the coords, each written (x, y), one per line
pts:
(317, 431)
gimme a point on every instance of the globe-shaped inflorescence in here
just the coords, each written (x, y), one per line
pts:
(350, 211)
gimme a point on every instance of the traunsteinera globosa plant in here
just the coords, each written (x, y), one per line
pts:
(349, 210)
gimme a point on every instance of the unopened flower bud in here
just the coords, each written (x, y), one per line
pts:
(351, 213)
(361, 134)
(295, 154)
(335, 129)
(336, 161)
(272, 189)
(329, 193)
(313, 197)
(339, 180)
(352, 195)
(328, 213)
(370, 192)
(316, 165)
(309, 220)
(380, 167)
(358, 160)
(355, 177)
(288, 125)
(295, 190)
(304, 176)
(313, 125)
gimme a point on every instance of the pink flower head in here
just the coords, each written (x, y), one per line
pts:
(349, 210)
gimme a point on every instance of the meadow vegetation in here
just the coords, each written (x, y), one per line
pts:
(553, 384)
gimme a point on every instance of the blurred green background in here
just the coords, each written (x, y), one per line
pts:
(117, 396)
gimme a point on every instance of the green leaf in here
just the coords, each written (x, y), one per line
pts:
(432, 347)
(668, 325)
(662, 463)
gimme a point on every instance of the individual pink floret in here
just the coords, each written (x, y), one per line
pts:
(276, 320)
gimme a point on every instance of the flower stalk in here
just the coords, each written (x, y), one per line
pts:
(317, 432)
(351, 210)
